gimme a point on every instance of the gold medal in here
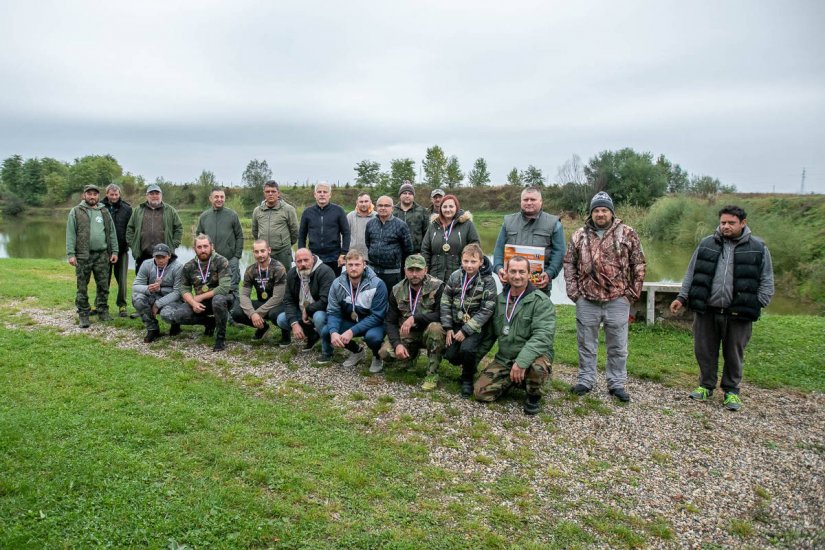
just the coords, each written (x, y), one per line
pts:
(505, 330)
(354, 316)
(446, 247)
(204, 289)
(466, 318)
(264, 295)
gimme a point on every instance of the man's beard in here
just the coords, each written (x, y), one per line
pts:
(304, 273)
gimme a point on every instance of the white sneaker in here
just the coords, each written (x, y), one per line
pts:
(377, 365)
(355, 358)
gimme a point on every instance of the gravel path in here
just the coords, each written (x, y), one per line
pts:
(752, 478)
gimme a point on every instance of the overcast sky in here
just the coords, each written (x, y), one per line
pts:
(732, 89)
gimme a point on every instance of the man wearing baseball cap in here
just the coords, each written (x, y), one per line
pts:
(152, 222)
(156, 287)
(436, 197)
(91, 245)
(412, 321)
(413, 214)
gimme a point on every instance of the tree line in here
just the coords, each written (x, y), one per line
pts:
(628, 176)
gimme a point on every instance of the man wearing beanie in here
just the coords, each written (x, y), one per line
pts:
(414, 215)
(604, 269)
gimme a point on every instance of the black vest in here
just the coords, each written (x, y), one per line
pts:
(747, 267)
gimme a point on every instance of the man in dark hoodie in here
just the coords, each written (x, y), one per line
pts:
(728, 282)
(325, 225)
(91, 246)
(305, 301)
(121, 211)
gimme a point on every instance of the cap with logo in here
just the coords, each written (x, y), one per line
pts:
(416, 261)
(161, 249)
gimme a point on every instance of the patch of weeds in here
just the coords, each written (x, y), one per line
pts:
(667, 412)
(503, 517)
(772, 445)
(386, 399)
(761, 492)
(597, 406)
(483, 459)
(634, 468)
(450, 443)
(382, 408)
(660, 528)
(452, 411)
(568, 534)
(252, 381)
(357, 396)
(660, 458)
(688, 507)
(554, 473)
(597, 465)
(509, 487)
(520, 453)
(740, 527)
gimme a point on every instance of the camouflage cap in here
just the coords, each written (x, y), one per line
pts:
(161, 249)
(91, 187)
(416, 261)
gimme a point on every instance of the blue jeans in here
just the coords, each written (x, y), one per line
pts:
(373, 338)
(319, 321)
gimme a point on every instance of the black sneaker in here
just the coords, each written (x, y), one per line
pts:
(174, 329)
(324, 359)
(312, 339)
(151, 336)
(532, 405)
(259, 333)
(466, 389)
(209, 327)
(286, 339)
(620, 394)
(220, 345)
(579, 389)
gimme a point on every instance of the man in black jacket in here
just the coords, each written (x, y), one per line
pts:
(389, 243)
(326, 227)
(728, 282)
(120, 211)
(305, 301)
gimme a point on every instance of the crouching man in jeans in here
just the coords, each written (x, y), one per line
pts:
(525, 320)
(357, 307)
(206, 289)
(155, 288)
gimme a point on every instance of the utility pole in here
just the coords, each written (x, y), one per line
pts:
(802, 187)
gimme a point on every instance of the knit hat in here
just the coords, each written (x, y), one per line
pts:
(601, 199)
(406, 187)
(415, 261)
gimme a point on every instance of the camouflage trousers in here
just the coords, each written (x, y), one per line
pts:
(97, 263)
(143, 304)
(495, 380)
(183, 314)
(431, 339)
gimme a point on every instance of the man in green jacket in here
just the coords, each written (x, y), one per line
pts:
(224, 228)
(525, 320)
(91, 245)
(276, 222)
(152, 222)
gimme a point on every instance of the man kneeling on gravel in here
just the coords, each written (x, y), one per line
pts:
(525, 322)
(206, 289)
(155, 288)
(413, 317)
(357, 307)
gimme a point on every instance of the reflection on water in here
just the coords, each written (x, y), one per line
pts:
(46, 238)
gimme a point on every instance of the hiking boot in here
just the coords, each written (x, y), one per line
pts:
(620, 394)
(122, 312)
(220, 344)
(209, 327)
(325, 359)
(701, 394)
(286, 339)
(134, 315)
(532, 405)
(259, 333)
(104, 316)
(151, 336)
(355, 358)
(84, 320)
(311, 340)
(430, 382)
(579, 389)
(174, 329)
(377, 365)
(732, 401)
(466, 389)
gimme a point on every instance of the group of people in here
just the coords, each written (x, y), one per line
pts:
(403, 278)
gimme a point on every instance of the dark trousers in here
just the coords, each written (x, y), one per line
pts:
(217, 308)
(333, 265)
(390, 279)
(464, 353)
(139, 260)
(709, 331)
(239, 316)
(120, 271)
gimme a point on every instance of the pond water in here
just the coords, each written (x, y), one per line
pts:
(46, 238)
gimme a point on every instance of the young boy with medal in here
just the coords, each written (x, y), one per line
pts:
(268, 277)
(525, 323)
(467, 304)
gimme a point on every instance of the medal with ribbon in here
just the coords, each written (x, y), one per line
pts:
(353, 296)
(262, 280)
(447, 232)
(204, 274)
(159, 272)
(414, 303)
(464, 286)
(509, 316)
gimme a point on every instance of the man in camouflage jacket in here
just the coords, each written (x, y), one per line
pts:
(206, 290)
(413, 315)
(604, 269)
